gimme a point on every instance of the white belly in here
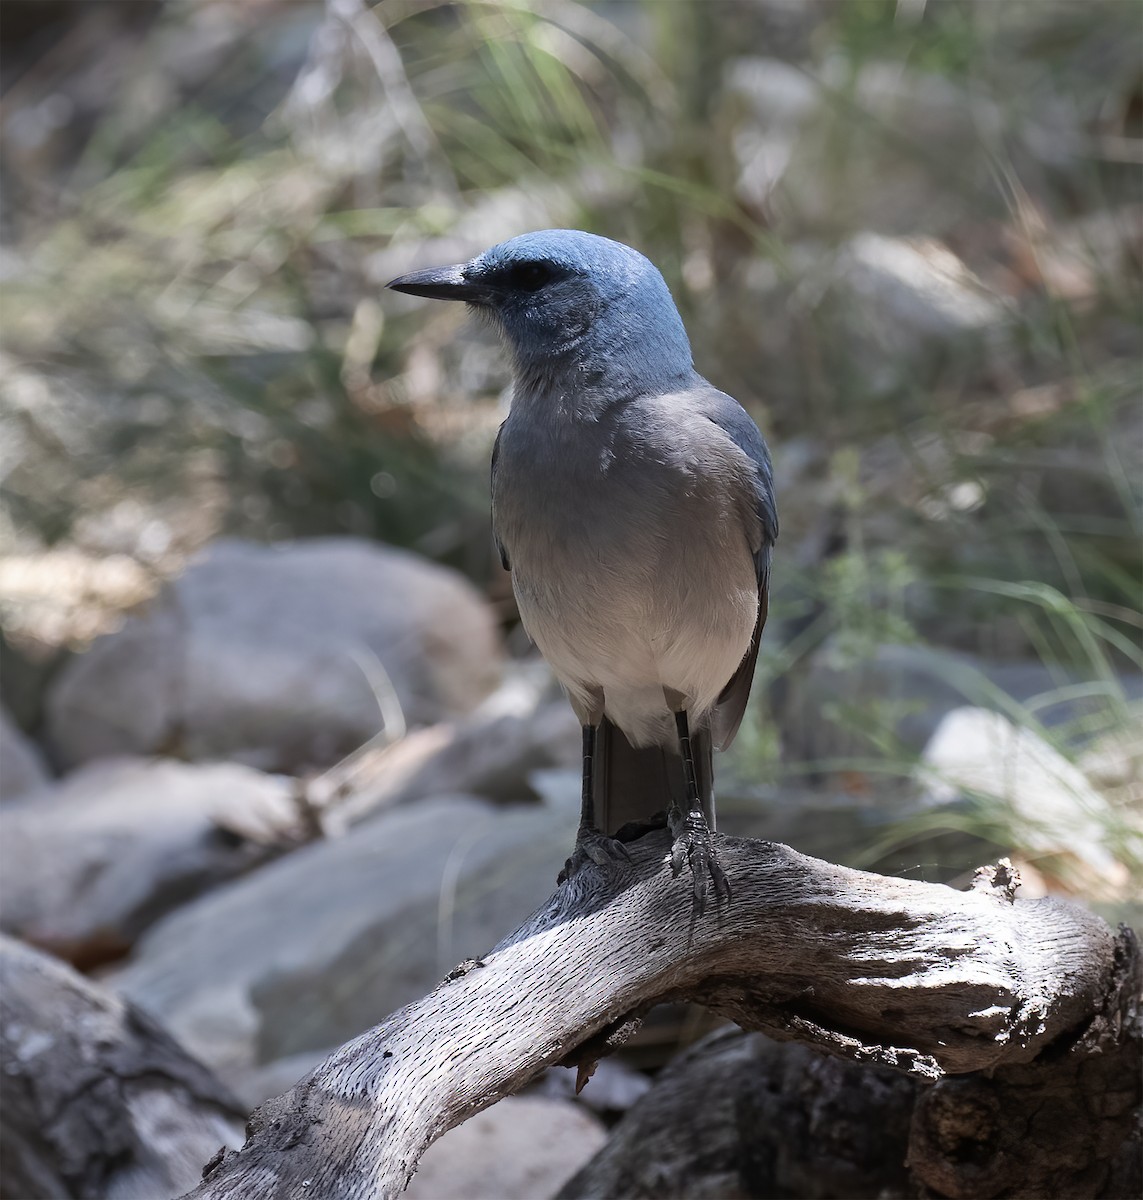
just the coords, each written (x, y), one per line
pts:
(630, 631)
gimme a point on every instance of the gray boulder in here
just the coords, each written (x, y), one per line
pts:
(910, 293)
(314, 948)
(257, 1084)
(88, 863)
(894, 307)
(279, 656)
(891, 311)
(523, 1148)
(1052, 807)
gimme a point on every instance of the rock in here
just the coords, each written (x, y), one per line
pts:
(88, 863)
(899, 307)
(523, 1148)
(1052, 807)
(913, 289)
(279, 656)
(314, 948)
(22, 766)
(889, 312)
(98, 1100)
(258, 1084)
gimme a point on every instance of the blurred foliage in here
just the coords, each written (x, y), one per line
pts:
(905, 234)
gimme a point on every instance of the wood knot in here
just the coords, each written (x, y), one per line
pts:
(462, 969)
(954, 1141)
(1000, 878)
(215, 1161)
(585, 1057)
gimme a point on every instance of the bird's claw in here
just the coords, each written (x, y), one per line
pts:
(596, 847)
(694, 845)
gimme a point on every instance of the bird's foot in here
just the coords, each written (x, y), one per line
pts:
(694, 845)
(596, 847)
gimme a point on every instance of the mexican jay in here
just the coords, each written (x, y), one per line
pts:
(633, 503)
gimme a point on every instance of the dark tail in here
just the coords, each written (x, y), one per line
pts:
(633, 785)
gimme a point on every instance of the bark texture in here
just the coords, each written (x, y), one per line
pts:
(739, 1116)
(98, 1101)
(890, 972)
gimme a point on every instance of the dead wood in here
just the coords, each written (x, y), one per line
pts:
(97, 1100)
(898, 973)
(738, 1115)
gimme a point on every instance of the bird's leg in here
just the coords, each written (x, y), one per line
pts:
(589, 842)
(693, 842)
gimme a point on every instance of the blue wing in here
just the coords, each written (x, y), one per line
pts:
(499, 544)
(735, 421)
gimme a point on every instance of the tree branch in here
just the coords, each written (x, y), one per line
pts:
(901, 973)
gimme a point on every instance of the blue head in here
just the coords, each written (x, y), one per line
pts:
(568, 301)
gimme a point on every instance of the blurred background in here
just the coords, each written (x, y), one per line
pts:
(276, 753)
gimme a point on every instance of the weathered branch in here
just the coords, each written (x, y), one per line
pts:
(896, 972)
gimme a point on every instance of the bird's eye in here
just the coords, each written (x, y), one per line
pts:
(530, 276)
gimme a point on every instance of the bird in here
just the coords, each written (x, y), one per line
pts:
(633, 504)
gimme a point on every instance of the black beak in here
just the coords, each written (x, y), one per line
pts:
(443, 283)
